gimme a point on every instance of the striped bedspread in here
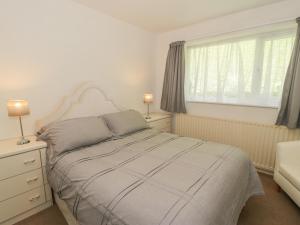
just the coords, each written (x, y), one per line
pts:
(154, 178)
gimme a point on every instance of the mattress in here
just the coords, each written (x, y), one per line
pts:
(155, 178)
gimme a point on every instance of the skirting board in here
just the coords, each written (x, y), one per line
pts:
(27, 213)
(65, 211)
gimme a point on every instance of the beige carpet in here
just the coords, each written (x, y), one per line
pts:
(273, 209)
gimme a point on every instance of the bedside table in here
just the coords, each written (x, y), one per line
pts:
(24, 189)
(160, 121)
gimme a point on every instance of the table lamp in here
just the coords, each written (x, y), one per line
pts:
(148, 99)
(18, 108)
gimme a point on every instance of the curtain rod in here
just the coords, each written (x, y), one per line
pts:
(244, 29)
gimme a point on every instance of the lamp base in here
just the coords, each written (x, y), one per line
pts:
(23, 141)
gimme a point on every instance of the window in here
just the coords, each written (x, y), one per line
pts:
(243, 70)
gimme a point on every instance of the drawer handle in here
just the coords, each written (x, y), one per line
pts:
(32, 180)
(29, 161)
(34, 198)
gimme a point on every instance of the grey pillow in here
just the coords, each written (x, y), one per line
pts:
(125, 122)
(70, 134)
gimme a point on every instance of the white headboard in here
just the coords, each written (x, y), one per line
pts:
(87, 100)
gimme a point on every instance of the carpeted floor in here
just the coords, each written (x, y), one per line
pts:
(275, 208)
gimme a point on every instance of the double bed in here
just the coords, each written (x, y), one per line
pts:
(147, 177)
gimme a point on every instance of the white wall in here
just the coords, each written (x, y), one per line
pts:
(48, 47)
(238, 21)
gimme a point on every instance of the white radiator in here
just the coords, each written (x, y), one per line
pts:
(257, 140)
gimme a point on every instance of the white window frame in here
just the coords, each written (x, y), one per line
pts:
(277, 29)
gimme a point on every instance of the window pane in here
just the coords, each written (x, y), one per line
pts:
(277, 54)
(248, 70)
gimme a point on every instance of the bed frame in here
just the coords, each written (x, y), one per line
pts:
(62, 205)
(88, 99)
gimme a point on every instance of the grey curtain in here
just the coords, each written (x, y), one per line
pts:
(172, 99)
(290, 103)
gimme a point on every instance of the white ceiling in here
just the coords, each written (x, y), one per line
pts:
(164, 15)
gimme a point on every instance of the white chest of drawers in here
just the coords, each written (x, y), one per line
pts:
(24, 189)
(160, 121)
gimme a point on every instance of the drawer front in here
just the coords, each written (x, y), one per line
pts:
(18, 164)
(161, 124)
(19, 184)
(21, 203)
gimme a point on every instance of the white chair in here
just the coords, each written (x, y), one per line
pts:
(287, 169)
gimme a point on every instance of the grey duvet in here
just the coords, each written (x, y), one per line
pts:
(153, 178)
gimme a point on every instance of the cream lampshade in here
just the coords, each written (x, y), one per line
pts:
(148, 99)
(18, 108)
